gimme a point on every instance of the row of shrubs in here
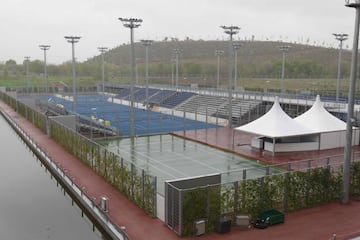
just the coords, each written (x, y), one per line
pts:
(289, 191)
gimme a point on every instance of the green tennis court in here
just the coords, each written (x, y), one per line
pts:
(169, 157)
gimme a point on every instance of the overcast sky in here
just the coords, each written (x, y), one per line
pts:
(25, 24)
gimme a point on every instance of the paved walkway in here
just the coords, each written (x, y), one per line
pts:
(315, 223)
(239, 143)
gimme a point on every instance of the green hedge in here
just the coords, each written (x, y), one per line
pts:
(133, 182)
(289, 191)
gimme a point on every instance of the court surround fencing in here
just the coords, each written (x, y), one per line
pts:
(302, 184)
(134, 182)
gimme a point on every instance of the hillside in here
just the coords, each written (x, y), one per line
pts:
(255, 58)
(259, 66)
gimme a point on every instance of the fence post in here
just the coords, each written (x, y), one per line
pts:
(208, 202)
(308, 181)
(97, 163)
(206, 117)
(113, 168)
(267, 169)
(236, 197)
(143, 185)
(286, 186)
(105, 163)
(180, 211)
(328, 163)
(243, 193)
(172, 120)
(132, 181)
(122, 174)
(161, 128)
(155, 196)
(217, 116)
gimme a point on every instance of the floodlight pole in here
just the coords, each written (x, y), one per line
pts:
(218, 53)
(102, 51)
(27, 59)
(340, 37)
(73, 40)
(132, 23)
(236, 46)
(349, 123)
(231, 30)
(45, 48)
(172, 71)
(177, 52)
(147, 43)
(283, 49)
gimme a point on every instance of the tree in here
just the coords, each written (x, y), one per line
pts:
(10, 62)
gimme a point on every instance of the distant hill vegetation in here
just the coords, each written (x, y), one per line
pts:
(255, 59)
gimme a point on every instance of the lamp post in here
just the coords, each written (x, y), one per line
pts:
(45, 48)
(283, 49)
(147, 43)
(132, 23)
(218, 53)
(230, 30)
(73, 40)
(177, 52)
(172, 60)
(236, 46)
(347, 155)
(340, 37)
(27, 59)
(102, 51)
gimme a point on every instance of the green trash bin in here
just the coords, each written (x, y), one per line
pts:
(272, 216)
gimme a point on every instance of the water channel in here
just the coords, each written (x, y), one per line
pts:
(32, 205)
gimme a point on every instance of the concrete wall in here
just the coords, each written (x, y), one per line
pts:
(291, 147)
(337, 139)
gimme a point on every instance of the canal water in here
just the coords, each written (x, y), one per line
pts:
(32, 205)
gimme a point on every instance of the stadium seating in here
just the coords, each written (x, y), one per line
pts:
(202, 104)
(176, 99)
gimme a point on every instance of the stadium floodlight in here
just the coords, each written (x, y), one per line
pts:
(132, 23)
(230, 30)
(147, 43)
(73, 40)
(102, 51)
(349, 123)
(177, 53)
(27, 59)
(340, 37)
(236, 46)
(218, 53)
(45, 48)
(283, 49)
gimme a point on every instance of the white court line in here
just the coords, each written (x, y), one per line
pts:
(151, 164)
(181, 156)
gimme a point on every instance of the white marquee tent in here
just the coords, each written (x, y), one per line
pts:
(332, 130)
(316, 129)
(319, 119)
(275, 124)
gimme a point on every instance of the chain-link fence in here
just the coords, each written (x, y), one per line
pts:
(287, 187)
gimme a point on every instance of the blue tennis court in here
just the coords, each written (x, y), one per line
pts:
(147, 122)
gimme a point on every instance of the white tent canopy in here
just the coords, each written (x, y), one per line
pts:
(319, 119)
(276, 124)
